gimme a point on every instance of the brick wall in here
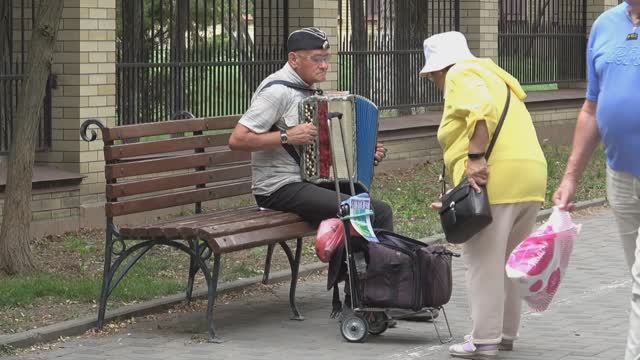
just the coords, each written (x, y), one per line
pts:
(84, 62)
(479, 23)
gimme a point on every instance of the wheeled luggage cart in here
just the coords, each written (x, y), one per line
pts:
(358, 320)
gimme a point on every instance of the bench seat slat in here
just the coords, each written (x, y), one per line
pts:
(250, 239)
(135, 231)
(175, 199)
(213, 225)
(154, 166)
(184, 229)
(155, 229)
(169, 127)
(261, 221)
(177, 181)
(121, 151)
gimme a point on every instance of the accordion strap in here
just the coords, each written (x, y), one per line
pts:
(288, 147)
(292, 85)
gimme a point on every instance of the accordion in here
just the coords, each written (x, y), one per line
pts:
(354, 136)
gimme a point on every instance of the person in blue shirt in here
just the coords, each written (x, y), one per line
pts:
(611, 114)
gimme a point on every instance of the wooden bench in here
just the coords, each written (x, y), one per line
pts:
(195, 167)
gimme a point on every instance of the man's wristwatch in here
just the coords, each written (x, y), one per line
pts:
(283, 137)
(476, 156)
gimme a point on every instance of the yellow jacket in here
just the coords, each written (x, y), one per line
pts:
(475, 90)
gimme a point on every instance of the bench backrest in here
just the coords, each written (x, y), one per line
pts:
(163, 170)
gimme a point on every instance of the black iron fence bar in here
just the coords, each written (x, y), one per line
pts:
(380, 49)
(198, 64)
(543, 35)
(13, 54)
(12, 77)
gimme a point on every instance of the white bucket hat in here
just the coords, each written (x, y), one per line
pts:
(444, 49)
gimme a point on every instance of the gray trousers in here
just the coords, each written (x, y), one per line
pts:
(494, 299)
(623, 191)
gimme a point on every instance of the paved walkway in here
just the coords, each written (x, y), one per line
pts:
(587, 321)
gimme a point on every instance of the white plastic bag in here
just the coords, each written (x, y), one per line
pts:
(540, 262)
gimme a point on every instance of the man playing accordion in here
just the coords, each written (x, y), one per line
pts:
(271, 128)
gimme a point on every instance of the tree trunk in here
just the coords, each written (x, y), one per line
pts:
(15, 254)
(5, 69)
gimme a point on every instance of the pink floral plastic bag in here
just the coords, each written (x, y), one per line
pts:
(540, 262)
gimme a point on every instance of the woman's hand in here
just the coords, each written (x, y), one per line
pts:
(477, 173)
(437, 206)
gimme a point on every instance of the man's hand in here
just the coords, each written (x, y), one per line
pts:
(566, 194)
(380, 154)
(477, 173)
(303, 134)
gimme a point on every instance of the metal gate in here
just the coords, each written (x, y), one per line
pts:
(16, 21)
(380, 52)
(203, 56)
(543, 41)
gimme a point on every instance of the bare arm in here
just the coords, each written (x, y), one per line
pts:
(585, 141)
(477, 170)
(480, 139)
(243, 139)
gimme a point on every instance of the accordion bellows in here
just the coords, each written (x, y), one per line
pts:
(355, 145)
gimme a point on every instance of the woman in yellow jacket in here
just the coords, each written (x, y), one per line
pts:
(515, 176)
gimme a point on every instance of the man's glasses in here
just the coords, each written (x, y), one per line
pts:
(318, 59)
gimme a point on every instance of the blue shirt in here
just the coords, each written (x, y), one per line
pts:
(614, 84)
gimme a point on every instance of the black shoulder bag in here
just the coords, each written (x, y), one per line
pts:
(464, 211)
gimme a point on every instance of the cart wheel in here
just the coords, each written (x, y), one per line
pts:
(354, 329)
(378, 323)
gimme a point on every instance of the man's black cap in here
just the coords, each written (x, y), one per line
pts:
(310, 38)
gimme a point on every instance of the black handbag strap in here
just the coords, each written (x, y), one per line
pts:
(288, 147)
(505, 110)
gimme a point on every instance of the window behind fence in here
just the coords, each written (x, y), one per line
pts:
(543, 41)
(380, 51)
(16, 21)
(203, 56)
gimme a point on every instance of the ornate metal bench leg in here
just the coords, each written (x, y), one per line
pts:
(107, 275)
(295, 267)
(213, 289)
(267, 264)
(193, 268)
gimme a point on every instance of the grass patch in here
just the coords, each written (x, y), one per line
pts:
(411, 192)
(540, 87)
(139, 284)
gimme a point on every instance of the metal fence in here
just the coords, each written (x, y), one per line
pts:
(543, 41)
(380, 50)
(16, 21)
(204, 56)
